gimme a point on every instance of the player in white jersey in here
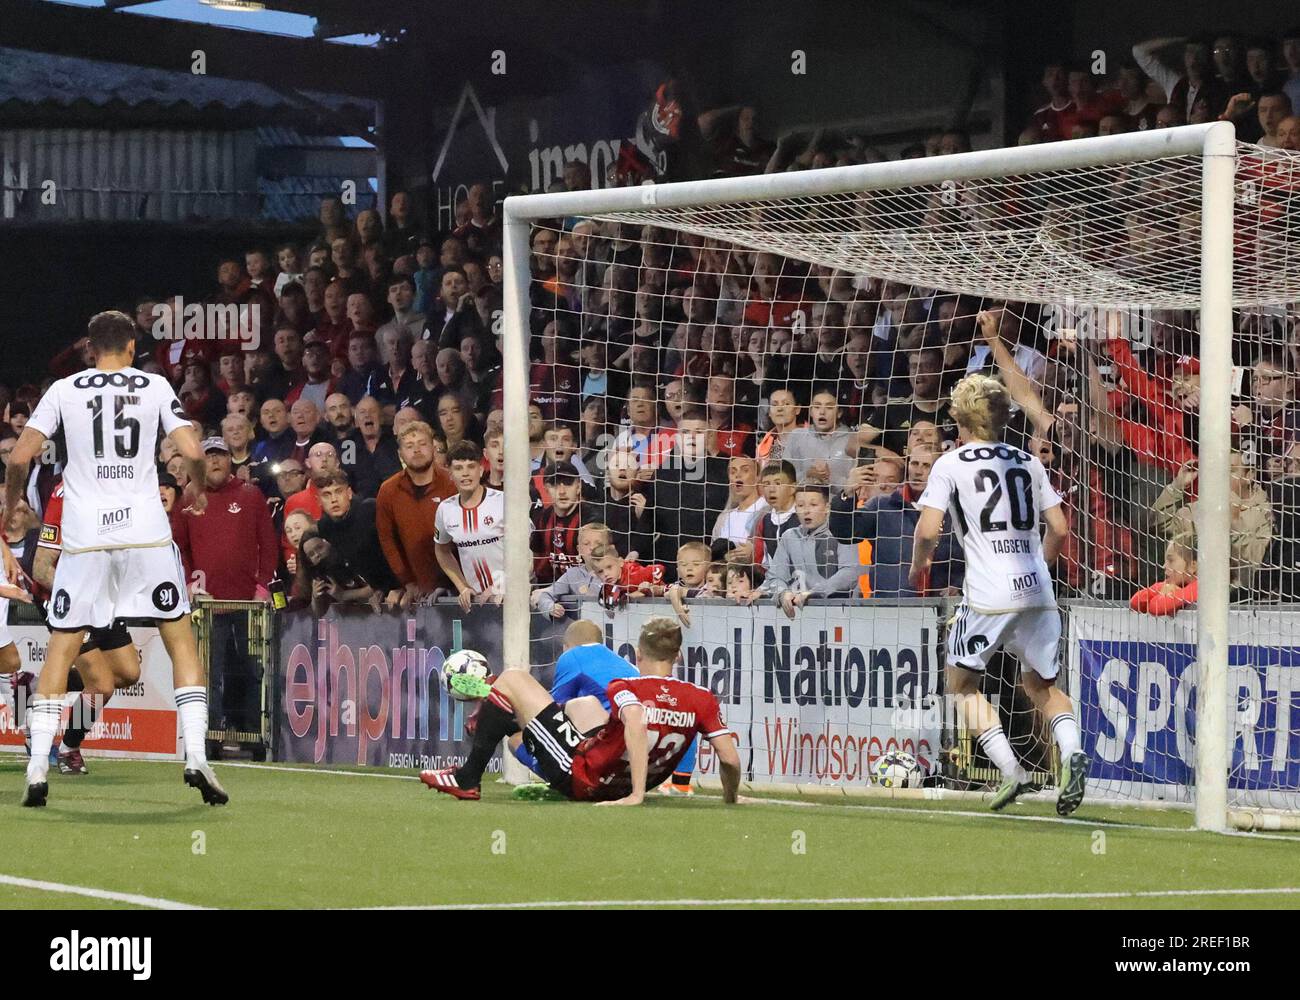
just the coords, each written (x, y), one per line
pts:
(472, 523)
(118, 559)
(997, 495)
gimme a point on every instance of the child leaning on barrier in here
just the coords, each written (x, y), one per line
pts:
(693, 567)
(1179, 587)
(743, 582)
(576, 581)
(625, 579)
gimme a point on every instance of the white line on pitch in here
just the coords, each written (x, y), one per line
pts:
(315, 770)
(850, 900)
(1005, 816)
(81, 890)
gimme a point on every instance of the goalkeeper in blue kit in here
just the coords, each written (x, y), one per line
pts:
(587, 667)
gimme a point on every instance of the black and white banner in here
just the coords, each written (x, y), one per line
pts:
(816, 699)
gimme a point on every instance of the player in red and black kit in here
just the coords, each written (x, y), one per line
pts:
(590, 755)
(555, 525)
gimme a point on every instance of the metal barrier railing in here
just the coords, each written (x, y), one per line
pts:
(239, 634)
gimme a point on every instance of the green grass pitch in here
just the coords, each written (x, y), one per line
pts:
(304, 838)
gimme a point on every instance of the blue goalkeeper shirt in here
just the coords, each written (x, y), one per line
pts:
(588, 670)
(580, 671)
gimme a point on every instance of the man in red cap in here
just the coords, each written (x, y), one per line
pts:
(230, 552)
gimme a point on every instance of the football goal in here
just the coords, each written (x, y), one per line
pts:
(741, 384)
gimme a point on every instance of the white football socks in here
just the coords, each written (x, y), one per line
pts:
(997, 748)
(192, 704)
(43, 716)
(1065, 730)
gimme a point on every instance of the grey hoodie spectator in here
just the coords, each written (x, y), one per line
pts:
(819, 452)
(809, 561)
(577, 581)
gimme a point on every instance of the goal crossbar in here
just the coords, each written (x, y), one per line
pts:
(1131, 147)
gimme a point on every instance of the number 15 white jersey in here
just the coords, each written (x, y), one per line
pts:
(111, 422)
(997, 495)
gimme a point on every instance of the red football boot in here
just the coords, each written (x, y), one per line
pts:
(445, 781)
(71, 762)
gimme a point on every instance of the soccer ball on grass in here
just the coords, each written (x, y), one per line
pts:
(461, 669)
(898, 769)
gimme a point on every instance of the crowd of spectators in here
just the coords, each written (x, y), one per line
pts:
(705, 421)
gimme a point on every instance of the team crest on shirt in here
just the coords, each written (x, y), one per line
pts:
(487, 521)
(559, 540)
(234, 507)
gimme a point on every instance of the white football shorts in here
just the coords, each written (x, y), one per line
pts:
(92, 588)
(1033, 636)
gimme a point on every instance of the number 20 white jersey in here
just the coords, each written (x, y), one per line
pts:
(997, 495)
(111, 422)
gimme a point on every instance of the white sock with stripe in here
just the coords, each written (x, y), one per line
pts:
(1065, 730)
(192, 704)
(997, 748)
(43, 716)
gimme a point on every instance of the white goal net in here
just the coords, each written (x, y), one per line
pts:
(734, 392)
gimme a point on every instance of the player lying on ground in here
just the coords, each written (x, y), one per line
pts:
(997, 495)
(635, 746)
(585, 669)
(118, 558)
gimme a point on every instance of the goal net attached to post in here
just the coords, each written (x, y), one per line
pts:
(718, 361)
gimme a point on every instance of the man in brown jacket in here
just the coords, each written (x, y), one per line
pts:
(404, 515)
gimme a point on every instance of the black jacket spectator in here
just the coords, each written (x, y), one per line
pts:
(630, 531)
(380, 385)
(446, 332)
(688, 499)
(368, 469)
(277, 381)
(355, 538)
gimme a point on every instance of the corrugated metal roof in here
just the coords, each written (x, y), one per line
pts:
(297, 198)
(282, 135)
(32, 81)
(172, 175)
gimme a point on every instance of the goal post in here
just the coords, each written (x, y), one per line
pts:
(880, 219)
(1214, 530)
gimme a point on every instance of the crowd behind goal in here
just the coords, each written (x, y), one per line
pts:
(710, 421)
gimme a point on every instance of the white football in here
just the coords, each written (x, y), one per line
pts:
(898, 769)
(464, 662)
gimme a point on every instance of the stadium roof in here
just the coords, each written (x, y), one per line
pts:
(46, 89)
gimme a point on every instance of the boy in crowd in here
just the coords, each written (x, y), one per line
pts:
(580, 580)
(692, 577)
(777, 482)
(625, 579)
(810, 561)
